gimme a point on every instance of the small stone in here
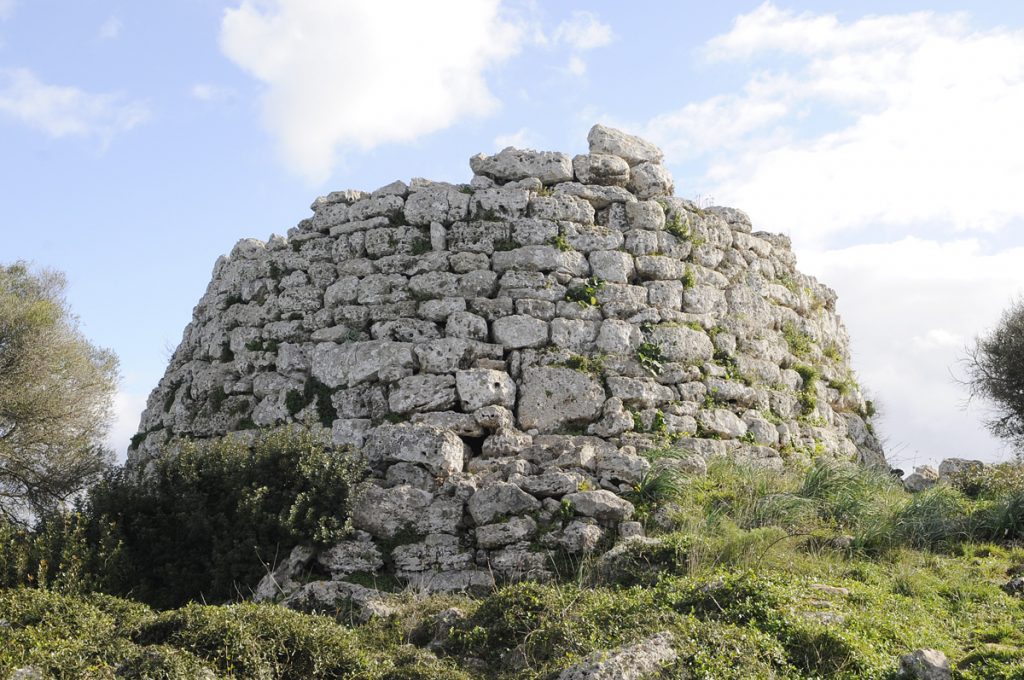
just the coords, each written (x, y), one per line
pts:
(925, 664)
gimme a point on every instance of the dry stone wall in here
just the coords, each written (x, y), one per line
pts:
(502, 352)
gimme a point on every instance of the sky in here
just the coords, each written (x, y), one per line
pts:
(140, 141)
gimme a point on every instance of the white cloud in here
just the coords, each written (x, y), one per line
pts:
(523, 138)
(911, 308)
(207, 92)
(576, 66)
(355, 75)
(128, 409)
(583, 31)
(899, 120)
(62, 111)
(938, 338)
(6, 8)
(110, 29)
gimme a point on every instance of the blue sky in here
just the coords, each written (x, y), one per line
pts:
(141, 140)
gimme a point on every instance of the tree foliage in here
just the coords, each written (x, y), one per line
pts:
(56, 395)
(995, 372)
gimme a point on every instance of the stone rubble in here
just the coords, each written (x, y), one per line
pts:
(502, 353)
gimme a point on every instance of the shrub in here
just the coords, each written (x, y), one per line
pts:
(202, 522)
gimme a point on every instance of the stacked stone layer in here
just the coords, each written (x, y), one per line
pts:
(502, 352)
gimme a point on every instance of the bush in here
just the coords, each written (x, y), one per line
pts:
(202, 523)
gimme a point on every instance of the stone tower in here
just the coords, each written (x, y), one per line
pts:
(502, 350)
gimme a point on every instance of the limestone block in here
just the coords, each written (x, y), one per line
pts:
(548, 484)
(722, 422)
(422, 392)
(405, 330)
(630, 148)
(441, 204)
(602, 169)
(512, 531)
(602, 505)
(350, 431)
(439, 451)
(285, 579)
(515, 164)
(380, 206)
(665, 294)
(440, 309)
(529, 231)
(477, 237)
(505, 202)
(498, 500)
(551, 398)
(683, 344)
(437, 552)
(561, 207)
(540, 259)
(580, 537)
(479, 387)
(518, 331)
(618, 337)
(660, 268)
(463, 263)
(574, 335)
(615, 420)
(650, 180)
(519, 561)
(613, 266)
(433, 284)
(600, 197)
(462, 324)
(641, 242)
(349, 557)
(462, 424)
(385, 513)
(640, 392)
(925, 664)
(587, 238)
(646, 215)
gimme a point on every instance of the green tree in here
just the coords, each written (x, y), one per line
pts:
(56, 396)
(995, 372)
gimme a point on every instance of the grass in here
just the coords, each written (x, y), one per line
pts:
(734, 570)
(800, 343)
